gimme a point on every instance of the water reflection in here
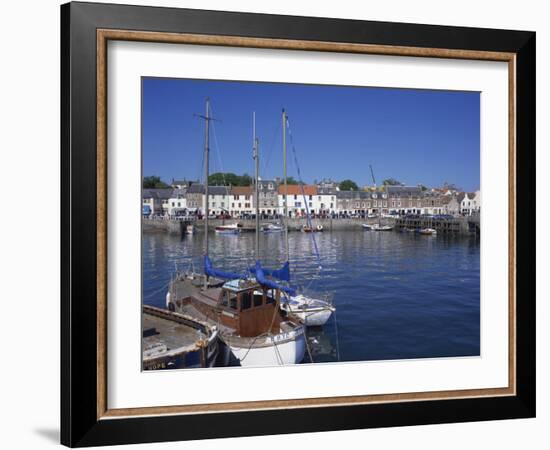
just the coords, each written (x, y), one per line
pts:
(398, 295)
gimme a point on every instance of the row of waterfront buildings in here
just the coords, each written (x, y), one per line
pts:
(324, 199)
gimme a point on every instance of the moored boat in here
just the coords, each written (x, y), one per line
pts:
(272, 228)
(312, 229)
(377, 227)
(176, 341)
(228, 229)
(310, 311)
(252, 328)
(428, 231)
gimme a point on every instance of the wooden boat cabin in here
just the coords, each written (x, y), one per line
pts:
(240, 307)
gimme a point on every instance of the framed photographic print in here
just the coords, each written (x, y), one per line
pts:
(277, 224)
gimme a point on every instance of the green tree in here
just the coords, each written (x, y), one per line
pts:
(223, 179)
(152, 182)
(391, 182)
(291, 180)
(348, 185)
(245, 180)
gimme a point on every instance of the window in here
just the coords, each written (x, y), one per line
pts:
(374, 203)
(247, 197)
(229, 299)
(295, 197)
(311, 197)
(145, 200)
(258, 299)
(310, 204)
(393, 203)
(173, 204)
(270, 186)
(240, 205)
(297, 204)
(235, 197)
(179, 204)
(374, 196)
(246, 300)
(368, 204)
(385, 204)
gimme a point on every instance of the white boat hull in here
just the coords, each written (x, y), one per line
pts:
(269, 351)
(313, 317)
(309, 311)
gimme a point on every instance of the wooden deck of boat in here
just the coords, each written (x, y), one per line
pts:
(173, 334)
(190, 310)
(185, 288)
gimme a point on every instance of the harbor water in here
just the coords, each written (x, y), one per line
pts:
(398, 295)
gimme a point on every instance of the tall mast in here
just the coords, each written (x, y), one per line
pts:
(206, 171)
(285, 222)
(256, 156)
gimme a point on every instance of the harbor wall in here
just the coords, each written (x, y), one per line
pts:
(459, 225)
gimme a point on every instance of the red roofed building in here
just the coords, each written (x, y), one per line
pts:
(300, 199)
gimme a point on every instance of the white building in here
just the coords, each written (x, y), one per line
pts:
(241, 201)
(219, 198)
(155, 201)
(177, 203)
(301, 199)
(471, 203)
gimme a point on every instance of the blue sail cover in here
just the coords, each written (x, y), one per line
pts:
(211, 272)
(261, 277)
(282, 274)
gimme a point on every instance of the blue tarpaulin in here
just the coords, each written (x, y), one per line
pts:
(261, 277)
(282, 274)
(211, 272)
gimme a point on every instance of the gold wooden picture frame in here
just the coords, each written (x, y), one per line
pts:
(89, 121)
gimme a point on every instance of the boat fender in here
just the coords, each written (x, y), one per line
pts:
(169, 304)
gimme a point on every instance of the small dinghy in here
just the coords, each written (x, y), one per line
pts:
(272, 228)
(228, 229)
(312, 229)
(427, 231)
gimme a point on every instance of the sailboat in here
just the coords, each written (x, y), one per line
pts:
(253, 330)
(308, 310)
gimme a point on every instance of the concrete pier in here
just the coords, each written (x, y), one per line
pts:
(457, 225)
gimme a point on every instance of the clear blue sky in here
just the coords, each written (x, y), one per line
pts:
(415, 136)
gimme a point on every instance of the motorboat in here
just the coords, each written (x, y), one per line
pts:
(377, 227)
(272, 228)
(228, 229)
(428, 231)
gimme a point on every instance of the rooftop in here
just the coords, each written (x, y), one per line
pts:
(241, 190)
(296, 189)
